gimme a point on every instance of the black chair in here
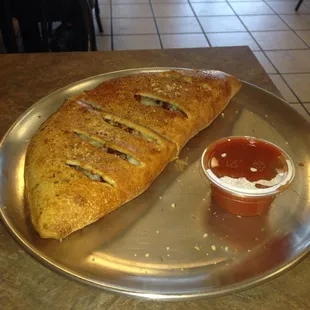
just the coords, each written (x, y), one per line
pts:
(77, 13)
(93, 4)
(86, 7)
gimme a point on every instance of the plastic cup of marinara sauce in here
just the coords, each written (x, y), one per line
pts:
(246, 173)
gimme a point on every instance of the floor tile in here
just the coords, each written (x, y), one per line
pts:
(244, 0)
(299, 83)
(283, 88)
(278, 40)
(264, 22)
(297, 22)
(136, 42)
(169, 1)
(130, 1)
(305, 35)
(131, 10)
(106, 25)
(267, 65)
(105, 11)
(184, 40)
(199, 1)
(103, 43)
(305, 1)
(301, 110)
(178, 25)
(55, 25)
(232, 39)
(172, 10)
(212, 9)
(134, 26)
(221, 24)
(287, 7)
(290, 61)
(249, 8)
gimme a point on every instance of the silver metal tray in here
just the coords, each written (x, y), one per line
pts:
(150, 249)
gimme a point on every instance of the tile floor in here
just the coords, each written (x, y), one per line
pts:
(279, 37)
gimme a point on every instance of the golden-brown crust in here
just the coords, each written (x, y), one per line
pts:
(63, 199)
(187, 88)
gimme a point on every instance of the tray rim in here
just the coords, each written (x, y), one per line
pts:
(64, 271)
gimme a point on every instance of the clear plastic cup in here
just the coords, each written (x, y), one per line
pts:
(241, 196)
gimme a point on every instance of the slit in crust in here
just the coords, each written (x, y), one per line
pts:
(108, 149)
(157, 102)
(90, 173)
(122, 123)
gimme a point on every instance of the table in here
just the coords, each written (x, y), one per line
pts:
(24, 283)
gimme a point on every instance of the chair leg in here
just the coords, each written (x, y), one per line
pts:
(97, 14)
(88, 23)
(298, 5)
(44, 30)
(50, 29)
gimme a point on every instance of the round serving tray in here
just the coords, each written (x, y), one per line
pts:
(172, 242)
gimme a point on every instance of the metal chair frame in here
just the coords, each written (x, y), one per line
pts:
(298, 5)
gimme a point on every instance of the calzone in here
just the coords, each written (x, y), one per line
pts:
(106, 146)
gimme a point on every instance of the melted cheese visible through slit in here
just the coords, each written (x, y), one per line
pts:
(129, 129)
(91, 173)
(149, 101)
(118, 124)
(102, 146)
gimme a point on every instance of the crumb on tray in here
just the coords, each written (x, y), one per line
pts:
(196, 247)
(180, 164)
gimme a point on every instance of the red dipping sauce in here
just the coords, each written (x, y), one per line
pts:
(246, 173)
